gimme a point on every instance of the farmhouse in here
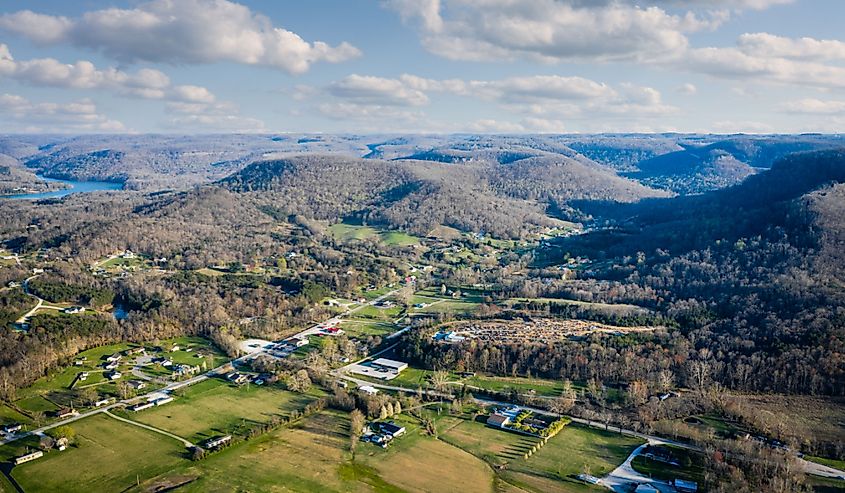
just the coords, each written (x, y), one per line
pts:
(498, 420)
(368, 389)
(28, 457)
(237, 378)
(66, 413)
(137, 384)
(391, 429)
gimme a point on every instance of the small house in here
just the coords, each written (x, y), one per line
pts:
(497, 420)
(103, 402)
(137, 384)
(114, 375)
(12, 428)
(391, 429)
(66, 413)
(368, 389)
(73, 310)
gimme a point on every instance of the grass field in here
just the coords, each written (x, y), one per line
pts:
(363, 328)
(690, 468)
(568, 454)
(314, 456)
(214, 407)
(553, 467)
(109, 456)
(520, 384)
(349, 232)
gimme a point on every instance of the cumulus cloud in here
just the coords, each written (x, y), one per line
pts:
(210, 116)
(772, 46)
(145, 83)
(79, 116)
(377, 90)
(554, 31)
(541, 100)
(184, 31)
(737, 63)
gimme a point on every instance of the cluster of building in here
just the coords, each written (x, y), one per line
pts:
(382, 433)
(239, 378)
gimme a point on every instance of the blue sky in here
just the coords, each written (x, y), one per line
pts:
(368, 66)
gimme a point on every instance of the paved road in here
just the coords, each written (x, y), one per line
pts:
(624, 477)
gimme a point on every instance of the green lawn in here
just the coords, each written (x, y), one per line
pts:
(349, 232)
(690, 469)
(214, 407)
(314, 455)
(363, 328)
(378, 313)
(110, 456)
(566, 456)
(520, 384)
(553, 467)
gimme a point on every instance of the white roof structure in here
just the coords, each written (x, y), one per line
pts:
(389, 363)
(369, 389)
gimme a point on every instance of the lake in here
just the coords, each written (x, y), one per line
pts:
(73, 187)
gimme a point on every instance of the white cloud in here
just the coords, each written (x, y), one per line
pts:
(689, 89)
(39, 28)
(538, 94)
(377, 90)
(734, 63)
(812, 106)
(145, 83)
(772, 46)
(210, 116)
(79, 116)
(184, 31)
(554, 31)
(541, 101)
